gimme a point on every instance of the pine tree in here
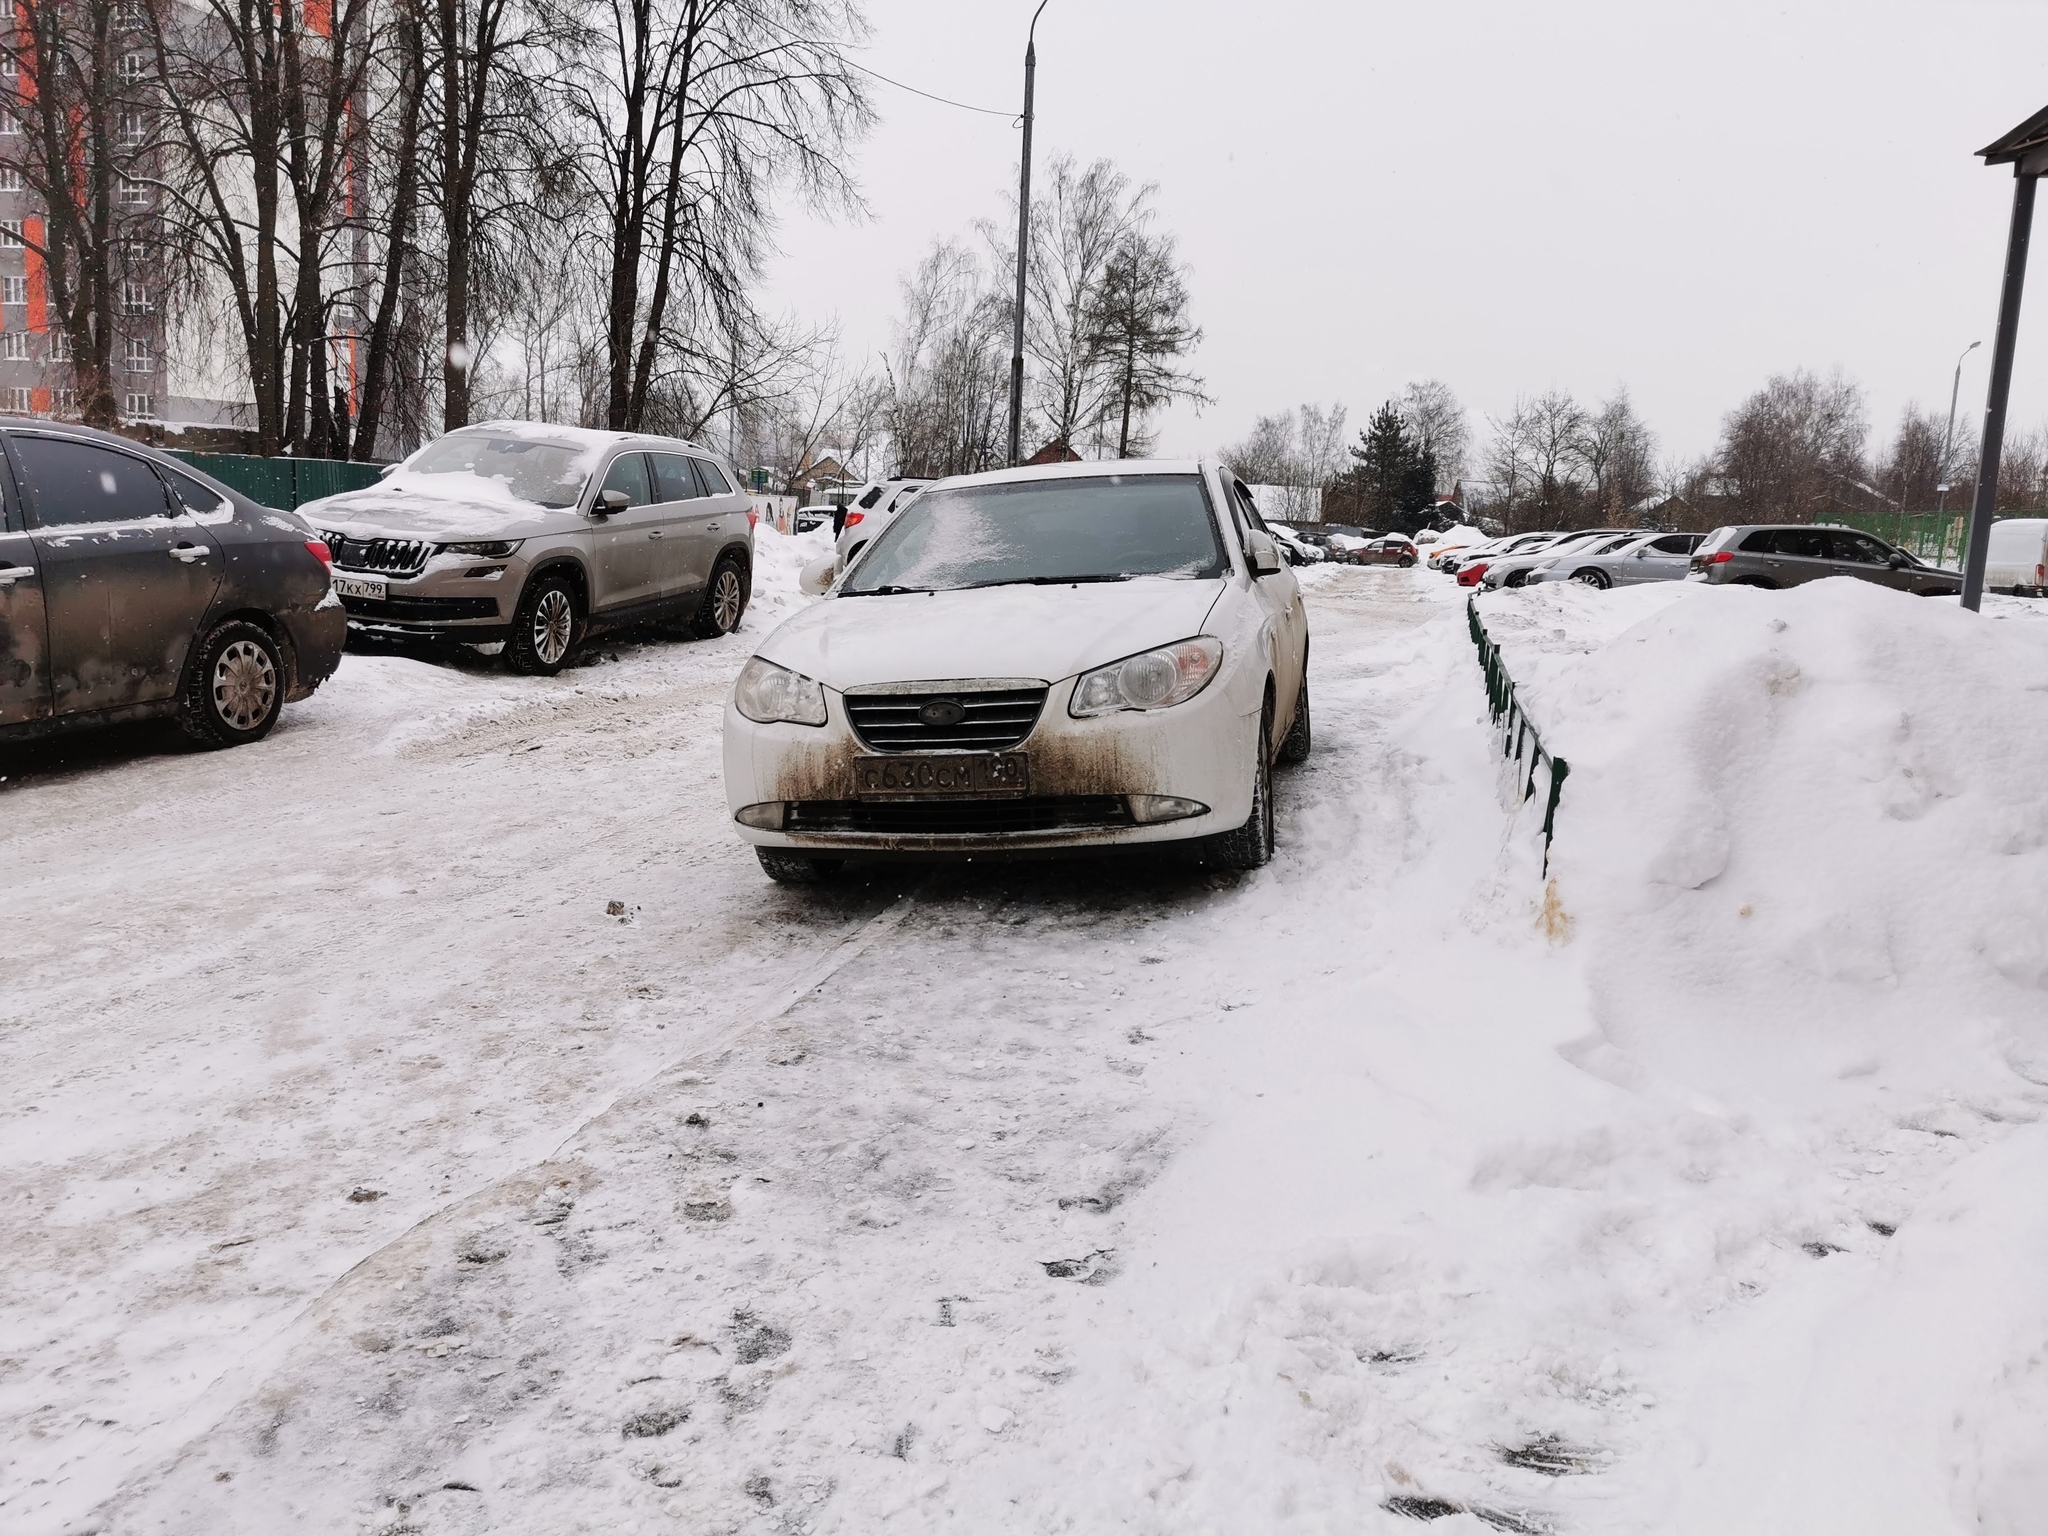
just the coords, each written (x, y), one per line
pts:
(1392, 481)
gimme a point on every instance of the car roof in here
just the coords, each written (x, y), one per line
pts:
(1087, 469)
(583, 437)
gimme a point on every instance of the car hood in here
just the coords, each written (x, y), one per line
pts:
(402, 507)
(1041, 632)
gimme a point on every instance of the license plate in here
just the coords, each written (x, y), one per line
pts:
(359, 586)
(941, 776)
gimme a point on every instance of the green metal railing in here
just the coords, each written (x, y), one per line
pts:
(1936, 537)
(283, 482)
(1519, 742)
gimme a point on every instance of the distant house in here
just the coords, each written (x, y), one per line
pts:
(1055, 452)
(819, 477)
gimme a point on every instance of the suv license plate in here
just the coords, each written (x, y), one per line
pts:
(941, 776)
(357, 586)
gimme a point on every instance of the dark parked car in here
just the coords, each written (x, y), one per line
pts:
(1785, 555)
(132, 586)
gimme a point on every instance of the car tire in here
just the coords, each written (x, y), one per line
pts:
(1251, 845)
(545, 626)
(725, 600)
(1406, 561)
(236, 688)
(786, 868)
(1595, 578)
(1300, 735)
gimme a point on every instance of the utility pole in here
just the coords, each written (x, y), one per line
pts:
(1947, 437)
(1023, 246)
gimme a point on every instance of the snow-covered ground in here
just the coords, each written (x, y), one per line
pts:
(368, 1174)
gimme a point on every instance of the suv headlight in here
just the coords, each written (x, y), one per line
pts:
(490, 549)
(767, 693)
(1159, 679)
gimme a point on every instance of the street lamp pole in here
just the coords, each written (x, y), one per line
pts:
(1023, 245)
(1948, 437)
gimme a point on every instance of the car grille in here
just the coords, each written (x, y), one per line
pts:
(418, 608)
(959, 818)
(996, 720)
(387, 557)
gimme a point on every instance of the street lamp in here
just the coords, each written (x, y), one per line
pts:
(2025, 149)
(1023, 244)
(1948, 436)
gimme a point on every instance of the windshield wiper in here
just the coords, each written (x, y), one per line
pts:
(888, 591)
(1043, 581)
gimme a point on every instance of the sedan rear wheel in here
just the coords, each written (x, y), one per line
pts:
(237, 687)
(1594, 577)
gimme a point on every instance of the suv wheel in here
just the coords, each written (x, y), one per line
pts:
(237, 687)
(725, 600)
(545, 626)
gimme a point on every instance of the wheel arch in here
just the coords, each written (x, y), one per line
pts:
(262, 619)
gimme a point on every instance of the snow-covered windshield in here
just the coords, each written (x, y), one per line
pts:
(1103, 528)
(548, 474)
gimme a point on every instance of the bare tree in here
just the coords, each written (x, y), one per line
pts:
(1911, 471)
(1270, 454)
(950, 374)
(1138, 321)
(1794, 449)
(1437, 419)
(1617, 450)
(1076, 227)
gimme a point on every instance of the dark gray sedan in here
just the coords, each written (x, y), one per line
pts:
(133, 587)
(1791, 554)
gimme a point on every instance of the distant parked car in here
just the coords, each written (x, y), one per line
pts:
(1652, 557)
(1790, 554)
(1393, 549)
(2019, 557)
(811, 517)
(1457, 560)
(872, 509)
(1514, 570)
(134, 587)
(1297, 549)
(539, 536)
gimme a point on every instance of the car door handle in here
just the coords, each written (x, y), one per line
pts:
(10, 574)
(711, 527)
(190, 552)
(654, 533)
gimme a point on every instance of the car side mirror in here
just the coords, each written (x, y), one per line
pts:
(609, 502)
(816, 578)
(1262, 553)
(387, 471)
(1898, 562)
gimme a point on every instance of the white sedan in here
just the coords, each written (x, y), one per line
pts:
(1062, 658)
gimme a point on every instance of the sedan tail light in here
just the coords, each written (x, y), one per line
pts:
(320, 551)
(854, 517)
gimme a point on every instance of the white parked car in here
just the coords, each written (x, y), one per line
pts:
(1067, 657)
(1631, 562)
(2018, 561)
(870, 511)
(1514, 570)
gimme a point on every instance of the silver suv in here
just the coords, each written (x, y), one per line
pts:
(1790, 554)
(539, 536)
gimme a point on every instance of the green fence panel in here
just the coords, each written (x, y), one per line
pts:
(282, 482)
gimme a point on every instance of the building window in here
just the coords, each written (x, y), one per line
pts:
(134, 65)
(132, 193)
(17, 401)
(135, 355)
(132, 128)
(135, 299)
(14, 290)
(10, 63)
(63, 402)
(60, 346)
(10, 234)
(14, 346)
(10, 125)
(10, 179)
(128, 13)
(138, 407)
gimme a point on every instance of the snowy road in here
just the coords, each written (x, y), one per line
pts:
(368, 1175)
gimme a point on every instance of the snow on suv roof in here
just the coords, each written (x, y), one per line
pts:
(585, 437)
(1085, 470)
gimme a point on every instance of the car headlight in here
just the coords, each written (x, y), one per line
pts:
(1159, 679)
(491, 549)
(767, 693)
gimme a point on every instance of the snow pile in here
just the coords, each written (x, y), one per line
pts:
(779, 560)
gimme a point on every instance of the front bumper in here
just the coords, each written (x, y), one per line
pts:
(1083, 774)
(454, 597)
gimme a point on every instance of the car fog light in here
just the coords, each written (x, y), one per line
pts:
(1149, 809)
(767, 815)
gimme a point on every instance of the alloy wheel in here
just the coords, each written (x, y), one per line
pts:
(554, 617)
(244, 685)
(725, 601)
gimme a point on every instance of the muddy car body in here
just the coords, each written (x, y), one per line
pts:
(972, 719)
(133, 587)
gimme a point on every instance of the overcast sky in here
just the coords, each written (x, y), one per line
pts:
(1681, 196)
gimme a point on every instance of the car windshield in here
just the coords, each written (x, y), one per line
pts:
(545, 473)
(1048, 532)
